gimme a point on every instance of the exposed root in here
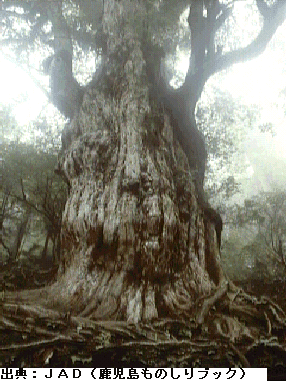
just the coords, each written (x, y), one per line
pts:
(225, 331)
(245, 363)
(209, 302)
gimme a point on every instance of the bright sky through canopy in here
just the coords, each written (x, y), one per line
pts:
(16, 85)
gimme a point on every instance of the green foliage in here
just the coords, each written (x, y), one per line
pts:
(29, 180)
(225, 123)
(267, 211)
(261, 222)
(254, 260)
(27, 171)
(7, 122)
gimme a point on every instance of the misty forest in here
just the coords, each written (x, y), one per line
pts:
(143, 183)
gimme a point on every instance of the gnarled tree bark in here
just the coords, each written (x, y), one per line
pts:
(137, 243)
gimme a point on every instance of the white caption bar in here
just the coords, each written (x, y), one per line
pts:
(88, 374)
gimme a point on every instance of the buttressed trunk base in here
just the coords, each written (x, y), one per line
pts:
(136, 244)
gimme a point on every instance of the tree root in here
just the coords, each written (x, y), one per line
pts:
(224, 329)
(208, 303)
(227, 330)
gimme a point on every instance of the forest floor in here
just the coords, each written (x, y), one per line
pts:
(275, 289)
(32, 336)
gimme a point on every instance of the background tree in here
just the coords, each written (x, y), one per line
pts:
(225, 123)
(29, 187)
(261, 256)
(30, 184)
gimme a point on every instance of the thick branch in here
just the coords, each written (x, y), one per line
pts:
(263, 8)
(201, 68)
(62, 35)
(256, 47)
(222, 18)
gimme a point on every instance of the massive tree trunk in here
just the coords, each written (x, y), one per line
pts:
(137, 241)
